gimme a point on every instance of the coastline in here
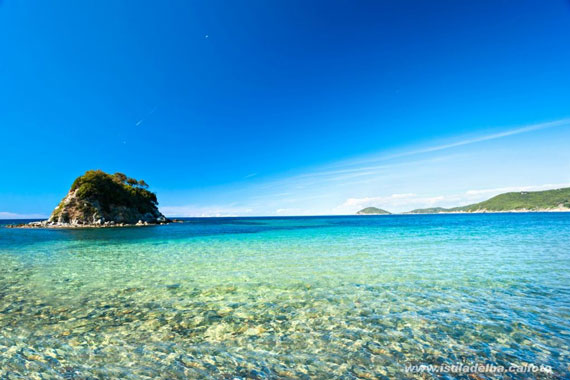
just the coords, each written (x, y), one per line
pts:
(71, 226)
(516, 211)
(519, 211)
(555, 200)
(45, 225)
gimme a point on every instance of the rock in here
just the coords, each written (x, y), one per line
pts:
(148, 217)
(100, 199)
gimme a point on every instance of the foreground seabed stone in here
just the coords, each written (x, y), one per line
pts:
(291, 298)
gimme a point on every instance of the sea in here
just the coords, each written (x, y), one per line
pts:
(466, 296)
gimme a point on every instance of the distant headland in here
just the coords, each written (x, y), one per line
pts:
(523, 201)
(98, 199)
(373, 211)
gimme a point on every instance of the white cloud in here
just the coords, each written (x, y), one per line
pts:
(405, 195)
(13, 215)
(394, 202)
(289, 211)
(204, 211)
(447, 174)
(499, 190)
(410, 201)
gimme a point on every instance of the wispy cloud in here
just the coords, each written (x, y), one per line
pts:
(204, 211)
(473, 140)
(445, 174)
(374, 165)
(14, 215)
(289, 211)
(343, 175)
(499, 190)
(409, 201)
(140, 121)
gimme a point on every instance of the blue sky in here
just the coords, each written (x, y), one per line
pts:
(284, 107)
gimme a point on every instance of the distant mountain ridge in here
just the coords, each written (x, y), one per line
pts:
(547, 200)
(521, 201)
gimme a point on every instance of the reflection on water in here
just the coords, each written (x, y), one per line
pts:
(334, 297)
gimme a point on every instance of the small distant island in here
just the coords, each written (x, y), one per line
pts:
(523, 201)
(98, 199)
(373, 211)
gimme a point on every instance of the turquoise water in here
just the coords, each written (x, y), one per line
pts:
(279, 298)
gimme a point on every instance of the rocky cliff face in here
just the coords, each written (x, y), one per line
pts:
(101, 199)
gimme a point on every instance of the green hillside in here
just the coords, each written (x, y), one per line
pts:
(523, 200)
(431, 210)
(97, 197)
(372, 211)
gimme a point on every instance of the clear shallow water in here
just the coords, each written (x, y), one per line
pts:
(326, 297)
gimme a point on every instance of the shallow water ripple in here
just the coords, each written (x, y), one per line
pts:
(287, 298)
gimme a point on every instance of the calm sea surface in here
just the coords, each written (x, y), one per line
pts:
(279, 298)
